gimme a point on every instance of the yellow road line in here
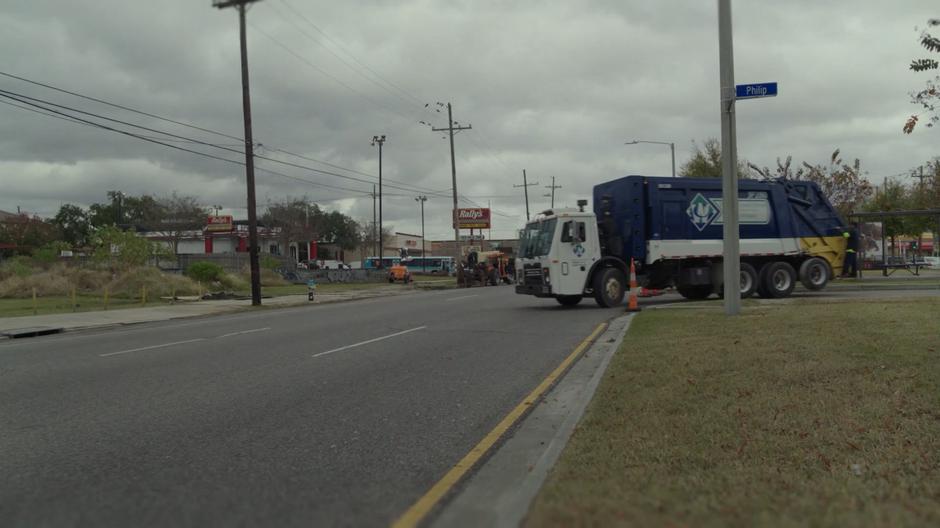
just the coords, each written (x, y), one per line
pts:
(416, 513)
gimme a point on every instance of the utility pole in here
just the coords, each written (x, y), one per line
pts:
(525, 187)
(451, 129)
(424, 260)
(672, 150)
(242, 6)
(920, 176)
(552, 187)
(380, 140)
(729, 163)
(374, 237)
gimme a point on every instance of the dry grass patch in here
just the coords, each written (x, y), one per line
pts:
(799, 414)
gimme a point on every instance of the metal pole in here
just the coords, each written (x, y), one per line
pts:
(381, 242)
(672, 147)
(424, 262)
(729, 162)
(249, 167)
(375, 238)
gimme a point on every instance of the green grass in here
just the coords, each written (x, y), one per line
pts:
(824, 414)
(63, 304)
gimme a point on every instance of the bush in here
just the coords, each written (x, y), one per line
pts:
(232, 282)
(19, 266)
(267, 262)
(205, 272)
(158, 284)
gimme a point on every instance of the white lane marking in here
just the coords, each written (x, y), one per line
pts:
(152, 347)
(369, 341)
(244, 332)
(461, 297)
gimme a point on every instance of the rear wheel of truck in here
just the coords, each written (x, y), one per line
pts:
(568, 300)
(778, 280)
(609, 287)
(749, 282)
(814, 273)
(695, 293)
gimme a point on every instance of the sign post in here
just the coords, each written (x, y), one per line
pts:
(731, 254)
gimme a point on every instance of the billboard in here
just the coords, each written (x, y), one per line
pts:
(473, 218)
(219, 223)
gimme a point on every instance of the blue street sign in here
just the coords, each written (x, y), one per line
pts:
(752, 91)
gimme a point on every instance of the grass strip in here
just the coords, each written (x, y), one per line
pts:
(823, 414)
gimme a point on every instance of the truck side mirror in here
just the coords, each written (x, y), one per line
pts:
(567, 232)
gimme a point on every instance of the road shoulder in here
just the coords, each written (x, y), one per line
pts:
(499, 492)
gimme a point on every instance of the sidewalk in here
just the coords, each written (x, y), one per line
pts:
(183, 309)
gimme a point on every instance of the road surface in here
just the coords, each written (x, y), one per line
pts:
(339, 414)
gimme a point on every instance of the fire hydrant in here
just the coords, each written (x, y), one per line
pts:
(311, 290)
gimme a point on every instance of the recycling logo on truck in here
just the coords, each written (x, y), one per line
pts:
(702, 212)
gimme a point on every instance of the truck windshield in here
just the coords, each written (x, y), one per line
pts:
(537, 238)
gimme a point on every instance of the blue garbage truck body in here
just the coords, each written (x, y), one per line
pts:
(670, 229)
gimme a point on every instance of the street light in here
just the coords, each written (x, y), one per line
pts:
(672, 148)
(424, 261)
(380, 141)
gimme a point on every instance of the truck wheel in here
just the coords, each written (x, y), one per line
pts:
(778, 279)
(568, 300)
(609, 287)
(749, 282)
(814, 273)
(696, 293)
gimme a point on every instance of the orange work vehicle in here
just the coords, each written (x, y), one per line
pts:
(399, 272)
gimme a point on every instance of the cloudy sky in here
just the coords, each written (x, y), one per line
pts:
(552, 87)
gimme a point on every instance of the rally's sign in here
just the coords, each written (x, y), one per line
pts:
(473, 218)
(219, 223)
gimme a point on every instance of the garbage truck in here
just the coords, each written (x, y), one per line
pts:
(670, 229)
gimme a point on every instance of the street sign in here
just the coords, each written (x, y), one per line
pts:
(753, 91)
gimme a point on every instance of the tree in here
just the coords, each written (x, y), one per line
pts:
(181, 214)
(26, 233)
(337, 228)
(840, 182)
(294, 219)
(707, 163)
(73, 225)
(369, 240)
(929, 96)
(124, 249)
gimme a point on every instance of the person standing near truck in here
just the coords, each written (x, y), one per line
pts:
(849, 268)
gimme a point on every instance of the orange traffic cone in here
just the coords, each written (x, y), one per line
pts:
(632, 305)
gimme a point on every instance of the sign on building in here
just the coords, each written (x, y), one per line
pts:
(219, 223)
(473, 218)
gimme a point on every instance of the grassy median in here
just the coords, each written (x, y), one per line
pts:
(822, 414)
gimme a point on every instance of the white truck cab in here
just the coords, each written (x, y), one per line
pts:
(560, 257)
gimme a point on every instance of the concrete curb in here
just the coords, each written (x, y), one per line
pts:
(500, 492)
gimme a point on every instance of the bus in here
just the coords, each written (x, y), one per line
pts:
(429, 264)
(371, 263)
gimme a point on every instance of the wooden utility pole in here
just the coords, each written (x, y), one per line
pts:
(424, 260)
(552, 187)
(451, 129)
(525, 186)
(242, 6)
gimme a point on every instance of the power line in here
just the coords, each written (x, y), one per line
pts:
(353, 57)
(182, 138)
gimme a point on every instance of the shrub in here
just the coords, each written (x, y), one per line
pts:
(19, 266)
(231, 281)
(205, 272)
(267, 262)
(158, 283)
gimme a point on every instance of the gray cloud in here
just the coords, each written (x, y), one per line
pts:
(552, 87)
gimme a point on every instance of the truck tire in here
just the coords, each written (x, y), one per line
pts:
(568, 300)
(778, 279)
(814, 273)
(609, 287)
(695, 293)
(749, 282)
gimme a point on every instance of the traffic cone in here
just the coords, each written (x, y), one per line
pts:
(632, 305)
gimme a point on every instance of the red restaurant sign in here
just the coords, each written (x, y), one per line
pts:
(219, 223)
(473, 218)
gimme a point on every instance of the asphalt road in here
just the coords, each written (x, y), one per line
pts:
(332, 415)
